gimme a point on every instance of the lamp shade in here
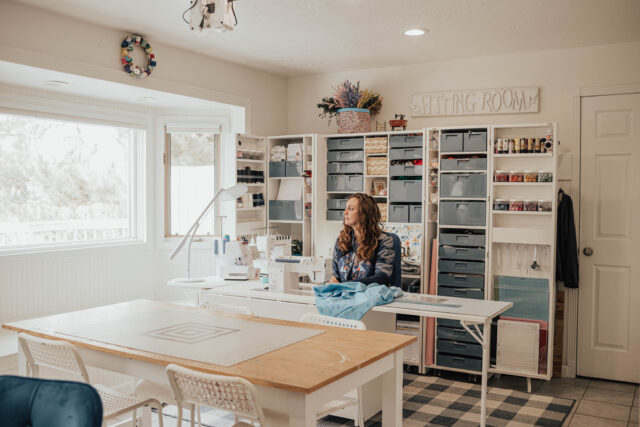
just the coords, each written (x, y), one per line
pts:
(234, 192)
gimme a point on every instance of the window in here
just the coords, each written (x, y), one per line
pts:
(191, 180)
(65, 182)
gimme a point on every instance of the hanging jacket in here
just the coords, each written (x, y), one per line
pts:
(566, 247)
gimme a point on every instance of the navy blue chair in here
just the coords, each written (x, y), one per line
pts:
(34, 402)
(396, 274)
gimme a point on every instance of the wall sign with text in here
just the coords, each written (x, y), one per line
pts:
(481, 101)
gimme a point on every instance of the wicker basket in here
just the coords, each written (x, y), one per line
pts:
(384, 211)
(377, 166)
(375, 145)
(354, 120)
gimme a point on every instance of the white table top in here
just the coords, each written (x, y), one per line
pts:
(209, 282)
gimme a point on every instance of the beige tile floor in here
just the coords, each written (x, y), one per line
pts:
(598, 402)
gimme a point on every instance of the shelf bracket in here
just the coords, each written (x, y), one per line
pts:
(475, 333)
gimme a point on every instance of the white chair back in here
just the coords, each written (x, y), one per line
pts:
(321, 319)
(227, 308)
(59, 355)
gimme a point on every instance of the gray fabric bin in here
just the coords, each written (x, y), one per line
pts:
(276, 169)
(405, 141)
(340, 167)
(293, 168)
(335, 215)
(461, 239)
(337, 204)
(472, 267)
(463, 213)
(460, 281)
(406, 170)
(344, 183)
(398, 213)
(471, 293)
(475, 141)
(468, 254)
(459, 348)
(469, 363)
(405, 153)
(451, 142)
(463, 185)
(463, 164)
(415, 213)
(346, 143)
(290, 210)
(345, 156)
(409, 190)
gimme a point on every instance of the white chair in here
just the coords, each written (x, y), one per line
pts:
(227, 308)
(344, 401)
(63, 356)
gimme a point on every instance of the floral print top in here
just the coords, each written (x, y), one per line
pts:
(347, 267)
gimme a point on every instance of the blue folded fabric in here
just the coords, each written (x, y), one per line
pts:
(351, 300)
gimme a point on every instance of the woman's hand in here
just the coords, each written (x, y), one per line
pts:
(333, 280)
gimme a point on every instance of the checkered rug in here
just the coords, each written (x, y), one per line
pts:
(437, 401)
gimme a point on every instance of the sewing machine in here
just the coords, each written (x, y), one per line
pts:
(237, 262)
(284, 271)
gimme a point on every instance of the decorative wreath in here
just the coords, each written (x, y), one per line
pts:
(131, 68)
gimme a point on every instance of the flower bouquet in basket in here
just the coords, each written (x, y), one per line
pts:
(352, 106)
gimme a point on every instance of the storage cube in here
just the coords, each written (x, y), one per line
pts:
(452, 266)
(376, 145)
(289, 210)
(344, 183)
(293, 168)
(530, 297)
(405, 141)
(475, 141)
(460, 281)
(337, 204)
(377, 165)
(463, 185)
(415, 213)
(409, 190)
(461, 239)
(341, 167)
(405, 153)
(335, 215)
(471, 293)
(345, 156)
(406, 170)
(451, 142)
(399, 213)
(276, 169)
(345, 143)
(463, 213)
(463, 164)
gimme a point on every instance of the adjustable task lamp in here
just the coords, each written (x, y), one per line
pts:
(230, 193)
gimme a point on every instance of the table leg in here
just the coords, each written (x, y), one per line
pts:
(392, 393)
(486, 349)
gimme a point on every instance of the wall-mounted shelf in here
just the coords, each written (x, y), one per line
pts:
(522, 212)
(523, 155)
(462, 153)
(250, 160)
(522, 184)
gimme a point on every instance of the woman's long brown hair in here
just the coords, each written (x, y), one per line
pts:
(370, 227)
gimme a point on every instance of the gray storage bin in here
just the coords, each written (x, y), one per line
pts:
(467, 254)
(337, 204)
(463, 164)
(415, 213)
(471, 293)
(460, 281)
(475, 141)
(276, 169)
(345, 156)
(454, 334)
(334, 215)
(451, 142)
(398, 213)
(409, 190)
(463, 185)
(470, 267)
(405, 153)
(344, 183)
(406, 170)
(293, 168)
(339, 167)
(346, 143)
(405, 141)
(460, 239)
(468, 363)
(289, 210)
(459, 348)
(463, 213)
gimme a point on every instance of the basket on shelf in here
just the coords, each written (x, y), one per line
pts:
(375, 145)
(383, 211)
(377, 165)
(354, 120)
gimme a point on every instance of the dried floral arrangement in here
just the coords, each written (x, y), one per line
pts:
(348, 95)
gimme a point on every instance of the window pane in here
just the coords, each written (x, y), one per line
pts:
(62, 181)
(192, 180)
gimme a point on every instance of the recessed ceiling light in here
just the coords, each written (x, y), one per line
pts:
(55, 83)
(416, 32)
(146, 99)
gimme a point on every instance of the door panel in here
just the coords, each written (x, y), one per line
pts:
(609, 298)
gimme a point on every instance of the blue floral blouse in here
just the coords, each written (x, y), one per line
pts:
(347, 267)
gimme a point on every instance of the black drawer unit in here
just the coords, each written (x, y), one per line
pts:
(461, 280)
(464, 267)
(461, 239)
(452, 361)
(455, 334)
(459, 348)
(464, 254)
(471, 293)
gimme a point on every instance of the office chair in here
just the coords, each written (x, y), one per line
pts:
(396, 274)
(35, 402)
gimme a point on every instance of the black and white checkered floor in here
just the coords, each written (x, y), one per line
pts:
(438, 401)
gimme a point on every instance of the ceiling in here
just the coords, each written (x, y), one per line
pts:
(297, 37)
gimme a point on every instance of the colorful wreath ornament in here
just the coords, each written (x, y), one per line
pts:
(131, 68)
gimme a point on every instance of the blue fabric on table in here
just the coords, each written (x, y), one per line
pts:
(352, 300)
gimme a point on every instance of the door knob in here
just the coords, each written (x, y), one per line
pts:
(588, 251)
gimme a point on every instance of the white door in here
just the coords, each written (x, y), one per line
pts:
(609, 301)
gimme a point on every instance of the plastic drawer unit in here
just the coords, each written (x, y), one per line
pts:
(471, 293)
(339, 167)
(454, 334)
(452, 361)
(460, 281)
(276, 169)
(337, 204)
(335, 215)
(463, 164)
(293, 169)
(399, 141)
(451, 142)
(405, 153)
(415, 213)
(530, 297)
(406, 170)
(463, 213)
(345, 156)
(464, 267)
(459, 348)
(288, 210)
(399, 213)
(409, 190)
(466, 254)
(461, 239)
(475, 141)
(345, 143)
(463, 185)
(344, 183)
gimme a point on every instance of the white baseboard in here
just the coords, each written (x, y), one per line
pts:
(569, 371)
